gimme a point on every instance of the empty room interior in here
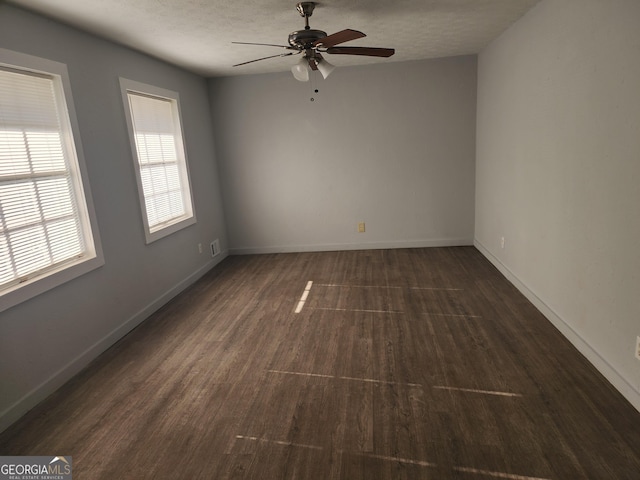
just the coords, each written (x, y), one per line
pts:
(423, 266)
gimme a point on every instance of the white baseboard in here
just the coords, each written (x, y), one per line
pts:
(331, 247)
(64, 374)
(601, 364)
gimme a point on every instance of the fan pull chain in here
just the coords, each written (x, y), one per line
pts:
(311, 84)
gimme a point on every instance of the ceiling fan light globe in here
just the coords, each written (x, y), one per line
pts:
(325, 68)
(301, 71)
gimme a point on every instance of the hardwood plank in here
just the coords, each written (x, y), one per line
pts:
(402, 364)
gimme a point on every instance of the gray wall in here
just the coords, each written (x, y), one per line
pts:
(558, 172)
(44, 341)
(389, 145)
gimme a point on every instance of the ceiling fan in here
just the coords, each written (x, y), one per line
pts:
(313, 43)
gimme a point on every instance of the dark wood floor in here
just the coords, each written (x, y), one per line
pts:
(401, 364)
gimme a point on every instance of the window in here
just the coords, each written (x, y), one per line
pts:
(153, 119)
(46, 216)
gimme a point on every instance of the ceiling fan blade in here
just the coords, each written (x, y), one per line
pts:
(289, 47)
(338, 37)
(264, 58)
(368, 51)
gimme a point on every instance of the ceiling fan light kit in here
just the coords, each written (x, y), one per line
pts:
(301, 70)
(325, 68)
(311, 44)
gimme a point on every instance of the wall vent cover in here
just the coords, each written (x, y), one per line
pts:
(215, 247)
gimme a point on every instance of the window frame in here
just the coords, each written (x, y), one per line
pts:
(93, 256)
(176, 224)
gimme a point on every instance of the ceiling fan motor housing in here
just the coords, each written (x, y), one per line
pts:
(303, 39)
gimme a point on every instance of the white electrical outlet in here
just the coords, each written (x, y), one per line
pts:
(638, 348)
(199, 248)
(501, 242)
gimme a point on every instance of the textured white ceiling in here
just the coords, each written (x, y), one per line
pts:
(197, 34)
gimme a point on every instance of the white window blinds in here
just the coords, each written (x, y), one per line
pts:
(161, 162)
(40, 226)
